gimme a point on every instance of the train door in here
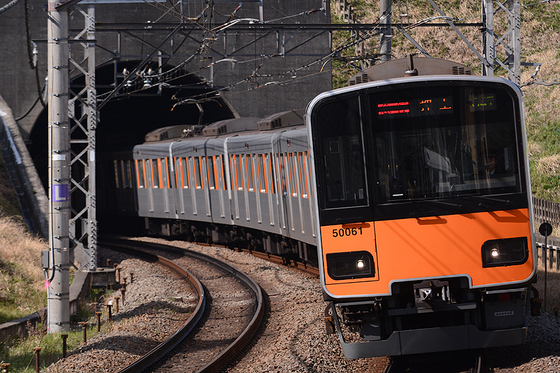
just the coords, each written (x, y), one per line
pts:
(246, 173)
(191, 168)
(165, 184)
(152, 182)
(228, 180)
(205, 184)
(180, 180)
(270, 186)
(219, 163)
(259, 186)
(283, 192)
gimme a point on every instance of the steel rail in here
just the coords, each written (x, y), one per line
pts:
(229, 353)
(272, 258)
(163, 348)
(283, 261)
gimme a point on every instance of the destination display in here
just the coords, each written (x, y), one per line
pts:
(415, 108)
(484, 102)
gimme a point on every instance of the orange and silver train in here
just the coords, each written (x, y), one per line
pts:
(411, 194)
(425, 215)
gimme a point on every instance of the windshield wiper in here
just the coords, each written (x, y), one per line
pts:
(439, 202)
(492, 199)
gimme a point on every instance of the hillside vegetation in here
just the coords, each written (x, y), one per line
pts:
(540, 43)
(21, 278)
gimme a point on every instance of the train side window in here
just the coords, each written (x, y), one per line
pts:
(197, 173)
(271, 175)
(282, 174)
(149, 174)
(223, 172)
(117, 178)
(166, 169)
(238, 171)
(211, 174)
(155, 173)
(217, 166)
(262, 177)
(185, 173)
(218, 172)
(129, 174)
(124, 174)
(140, 173)
(232, 172)
(249, 168)
(177, 168)
(293, 173)
(303, 173)
(161, 169)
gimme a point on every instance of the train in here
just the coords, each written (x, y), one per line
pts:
(409, 189)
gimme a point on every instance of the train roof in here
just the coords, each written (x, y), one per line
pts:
(410, 66)
(229, 127)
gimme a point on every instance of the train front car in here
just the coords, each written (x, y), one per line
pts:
(425, 212)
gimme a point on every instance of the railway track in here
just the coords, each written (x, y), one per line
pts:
(224, 324)
(303, 267)
(292, 336)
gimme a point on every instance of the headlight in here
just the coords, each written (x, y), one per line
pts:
(506, 252)
(354, 264)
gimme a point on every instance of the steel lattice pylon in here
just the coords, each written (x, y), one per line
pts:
(83, 117)
(504, 50)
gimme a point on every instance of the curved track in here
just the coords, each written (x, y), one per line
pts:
(164, 347)
(274, 259)
(171, 354)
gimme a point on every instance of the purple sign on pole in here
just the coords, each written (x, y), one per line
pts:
(60, 193)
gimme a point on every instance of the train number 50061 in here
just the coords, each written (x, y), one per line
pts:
(342, 232)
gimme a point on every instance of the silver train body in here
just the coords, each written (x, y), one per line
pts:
(242, 181)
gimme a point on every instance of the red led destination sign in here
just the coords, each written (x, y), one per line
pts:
(416, 108)
(392, 108)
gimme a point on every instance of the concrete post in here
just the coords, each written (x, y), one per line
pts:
(386, 30)
(59, 171)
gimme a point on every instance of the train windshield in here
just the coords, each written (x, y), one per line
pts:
(435, 143)
(342, 161)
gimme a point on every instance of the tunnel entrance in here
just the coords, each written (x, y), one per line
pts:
(139, 109)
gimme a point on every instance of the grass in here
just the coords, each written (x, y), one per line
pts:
(540, 42)
(21, 278)
(553, 290)
(20, 353)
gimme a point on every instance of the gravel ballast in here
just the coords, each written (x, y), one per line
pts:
(293, 338)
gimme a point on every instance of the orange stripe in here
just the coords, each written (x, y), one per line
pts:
(430, 247)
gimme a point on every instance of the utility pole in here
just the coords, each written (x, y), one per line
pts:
(386, 30)
(59, 170)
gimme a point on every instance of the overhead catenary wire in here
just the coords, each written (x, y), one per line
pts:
(348, 43)
(164, 77)
(8, 6)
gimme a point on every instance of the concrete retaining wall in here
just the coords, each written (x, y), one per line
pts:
(28, 186)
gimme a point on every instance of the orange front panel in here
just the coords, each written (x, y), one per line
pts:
(432, 247)
(347, 238)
